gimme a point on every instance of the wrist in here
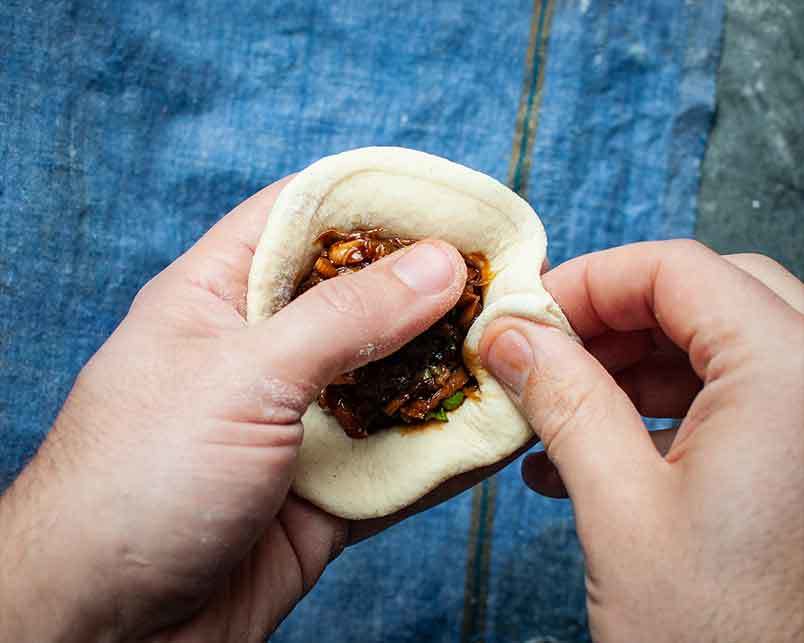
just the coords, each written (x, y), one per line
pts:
(47, 591)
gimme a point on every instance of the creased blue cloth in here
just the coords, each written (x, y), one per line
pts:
(128, 128)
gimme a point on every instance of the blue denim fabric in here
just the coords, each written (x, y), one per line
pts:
(128, 128)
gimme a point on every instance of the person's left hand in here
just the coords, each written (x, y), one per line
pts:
(158, 506)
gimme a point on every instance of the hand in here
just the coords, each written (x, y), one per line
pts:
(707, 541)
(158, 506)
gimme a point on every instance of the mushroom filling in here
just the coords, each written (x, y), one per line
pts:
(422, 381)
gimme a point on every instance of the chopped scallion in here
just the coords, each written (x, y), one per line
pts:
(453, 401)
(440, 414)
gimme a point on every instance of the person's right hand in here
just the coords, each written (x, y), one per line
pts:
(705, 542)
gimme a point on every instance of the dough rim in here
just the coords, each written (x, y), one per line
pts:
(342, 475)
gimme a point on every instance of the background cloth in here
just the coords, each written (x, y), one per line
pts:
(128, 128)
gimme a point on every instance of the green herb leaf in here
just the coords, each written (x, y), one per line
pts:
(453, 401)
(440, 415)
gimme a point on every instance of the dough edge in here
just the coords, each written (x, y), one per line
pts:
(367, 187)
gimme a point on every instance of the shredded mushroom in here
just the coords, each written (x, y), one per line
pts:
(424, 379)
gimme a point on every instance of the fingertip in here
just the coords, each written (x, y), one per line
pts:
(540, 475)
(459, 274)
(510, 346)
(447, 248)
(490, 335)
(509, 357)
(431, 267)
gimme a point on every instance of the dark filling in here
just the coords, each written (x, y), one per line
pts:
(423, 380)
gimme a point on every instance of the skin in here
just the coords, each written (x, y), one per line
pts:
(696, 535)
(158, 507)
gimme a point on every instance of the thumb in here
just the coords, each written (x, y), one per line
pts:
(590, 429)
(346, 322)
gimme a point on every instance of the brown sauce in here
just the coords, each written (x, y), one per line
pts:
(424, 380)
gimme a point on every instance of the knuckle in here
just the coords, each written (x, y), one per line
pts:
(145, 294)
(344, 296)
(754, 262)
(688, 247)
(565, 407)
(756, 257)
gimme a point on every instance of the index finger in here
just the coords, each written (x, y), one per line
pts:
(698, 299)
(219, 261)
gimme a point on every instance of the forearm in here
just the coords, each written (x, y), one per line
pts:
(46, 580)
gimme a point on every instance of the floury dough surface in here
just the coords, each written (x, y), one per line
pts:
(416, 195)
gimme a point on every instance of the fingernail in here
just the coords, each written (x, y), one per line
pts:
(426, 268)
(510, 359)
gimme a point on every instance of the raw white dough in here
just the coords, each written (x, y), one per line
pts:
(409, 194)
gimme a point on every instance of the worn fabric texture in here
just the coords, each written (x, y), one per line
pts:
(128, 128)
(752, 183)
